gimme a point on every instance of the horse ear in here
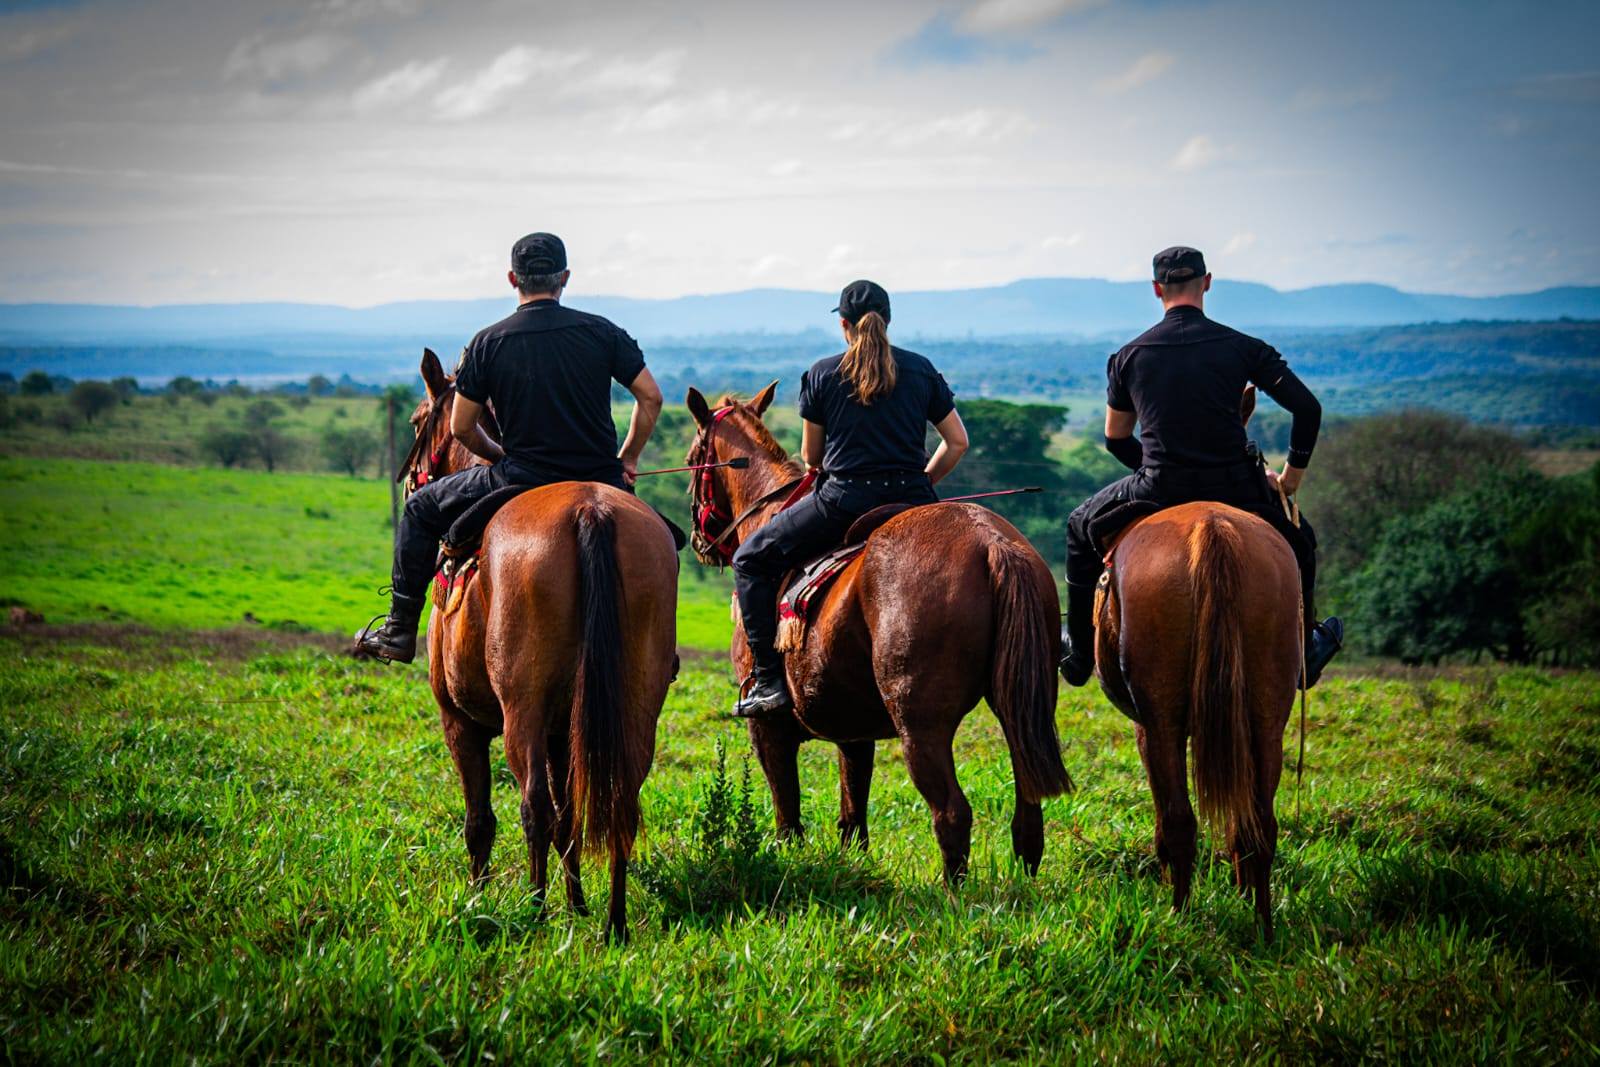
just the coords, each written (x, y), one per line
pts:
(698, 406)
(1247, 405)
(433, 375)
(763, 399)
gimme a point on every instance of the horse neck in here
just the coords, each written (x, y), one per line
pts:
(765, 475)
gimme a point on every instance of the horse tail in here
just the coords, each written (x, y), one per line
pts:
(597, 748)
(1022, 685)
(1220, 728)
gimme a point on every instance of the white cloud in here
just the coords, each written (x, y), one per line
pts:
(1238, 243)
(1057, 241)
(974, 124)
(1197, 152)
(275, 60)
(651, 76)
(786, 168)
(27, 43)
(510, 70)
(1145, 69)
(398, 85)
(771, 263)
(998, 16)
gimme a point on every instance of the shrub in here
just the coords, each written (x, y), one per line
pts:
(36, 383)
(91, 398)
(349, 450)
(227, 445)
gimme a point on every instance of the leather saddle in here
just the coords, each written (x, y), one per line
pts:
(466, 533)
(806, 586)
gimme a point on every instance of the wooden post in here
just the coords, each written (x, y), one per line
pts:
(392, 474)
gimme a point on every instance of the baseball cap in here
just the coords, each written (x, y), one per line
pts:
(860, 297)
(539, 253)
(1178, 264)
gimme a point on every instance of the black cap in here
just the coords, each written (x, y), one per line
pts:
(539, 253)
(1178, 264)
(860, 297)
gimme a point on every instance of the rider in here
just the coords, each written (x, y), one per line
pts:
(1182, 381)
(547, 370)
(864, 412)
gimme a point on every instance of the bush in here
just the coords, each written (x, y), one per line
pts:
(127, 389)
(36, 383)
(228, 446)
(349, 450)
(27, 411)
(91, 398)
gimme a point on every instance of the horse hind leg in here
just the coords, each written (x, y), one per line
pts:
(855, 782)
(568, 844)
(526, 754)
(1257, 873)
(468, 741)
(933, 772)
(1027, 834)
(1166, 761)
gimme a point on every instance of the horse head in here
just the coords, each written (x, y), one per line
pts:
(729, 429)
(435, 452)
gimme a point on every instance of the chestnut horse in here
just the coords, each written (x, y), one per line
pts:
(564, 642)
(947, 605)
(1198, 631)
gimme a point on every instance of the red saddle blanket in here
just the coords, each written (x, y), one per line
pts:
(450, 582)
(805, 591)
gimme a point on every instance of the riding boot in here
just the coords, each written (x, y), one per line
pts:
(1325, 641)
(769, 694)
(1077, 636)
(396, 640)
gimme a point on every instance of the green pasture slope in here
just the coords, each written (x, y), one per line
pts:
(218, 858)
(204, 547)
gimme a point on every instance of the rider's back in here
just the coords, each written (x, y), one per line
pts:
(548, 370)
(886, 436)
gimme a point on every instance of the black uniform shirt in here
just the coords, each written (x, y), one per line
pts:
(1184, 378)
(884, 437)
(548, 369)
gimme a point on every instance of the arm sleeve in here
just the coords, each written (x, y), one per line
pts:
(1128, 450)
(1116, 390)
(810, 403)
(472, 377)
(626, 359)
(1273, 377)
(941, 401)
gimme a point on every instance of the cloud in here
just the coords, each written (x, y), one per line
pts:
(999, 16)
(974, 124)
(510, 70)
(20, 44)
(1576, 88)
(275, 61)
(941, 42)
(651, 76)
(1147, 68)
(1057, 241)
(1197, 152)
(398, 85)
(1238, 243)
(1341, 98)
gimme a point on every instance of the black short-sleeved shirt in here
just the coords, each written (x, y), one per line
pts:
(884, 437)
(548, 369)
(1184, 378)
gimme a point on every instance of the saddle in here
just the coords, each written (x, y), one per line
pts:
(463, 545)
(806, 587)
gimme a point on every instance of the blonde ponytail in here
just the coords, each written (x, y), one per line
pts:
(868, 364)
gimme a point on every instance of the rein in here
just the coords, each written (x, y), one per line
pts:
(1291, 511)
(412, 472)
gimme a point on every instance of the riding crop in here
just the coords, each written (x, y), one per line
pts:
(737, 463)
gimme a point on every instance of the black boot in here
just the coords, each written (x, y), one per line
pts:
(396, 640)
(768, 697)
(1327, 638)
(1077, 635)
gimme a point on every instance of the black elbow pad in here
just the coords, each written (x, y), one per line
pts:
(1128, 450)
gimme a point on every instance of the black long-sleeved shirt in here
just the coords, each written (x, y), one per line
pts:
(1184, 377)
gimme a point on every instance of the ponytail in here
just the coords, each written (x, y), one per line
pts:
(868, 364)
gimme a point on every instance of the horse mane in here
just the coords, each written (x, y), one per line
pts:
(753, 426)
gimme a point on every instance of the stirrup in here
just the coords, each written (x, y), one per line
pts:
(358, 649)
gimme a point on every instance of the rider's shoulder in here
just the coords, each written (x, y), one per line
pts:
(826, 367)
(915, 362)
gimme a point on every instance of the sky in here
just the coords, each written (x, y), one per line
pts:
(363, 151)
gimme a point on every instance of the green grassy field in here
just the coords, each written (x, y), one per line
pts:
(202, 547)
(219, 856)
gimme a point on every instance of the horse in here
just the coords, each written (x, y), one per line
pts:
(1198, 639)
(540, 649)
(948, 604)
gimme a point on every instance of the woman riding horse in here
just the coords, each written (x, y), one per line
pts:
(864, 413)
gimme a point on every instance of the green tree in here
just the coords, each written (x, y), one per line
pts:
(350, 450)
(91, 398)
(227, 444)
(1558, 545)
(127, 389)
(184, 386)
(318, 385)
(1009, 450)
(1445, 580)
(36, 383)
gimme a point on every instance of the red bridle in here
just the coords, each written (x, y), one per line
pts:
(714, 525)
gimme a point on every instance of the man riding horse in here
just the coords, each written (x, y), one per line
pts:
(546, 371)
(864, 412)
(1181, 382)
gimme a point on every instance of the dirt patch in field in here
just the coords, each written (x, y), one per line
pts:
(150, 644)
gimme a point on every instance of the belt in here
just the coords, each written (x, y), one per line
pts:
(1200, 477)
(882, 481)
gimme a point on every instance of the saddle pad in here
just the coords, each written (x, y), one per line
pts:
(450, 583)
(466, 532)
(805, 593)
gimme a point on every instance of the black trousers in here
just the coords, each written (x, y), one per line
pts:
(1244, 487)
(430, 510)
(814, 525)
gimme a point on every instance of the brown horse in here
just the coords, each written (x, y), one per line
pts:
(949, 604)
(1198, 633)
(541, 650)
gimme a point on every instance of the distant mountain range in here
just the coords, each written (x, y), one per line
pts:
(1057, 307)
